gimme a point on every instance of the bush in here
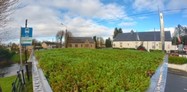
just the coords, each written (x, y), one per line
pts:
(16, 58)
(155, 50)
(177, 60)
(5, 54)
(125, 48)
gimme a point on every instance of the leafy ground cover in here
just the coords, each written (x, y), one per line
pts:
(177, 60)
(108, 70)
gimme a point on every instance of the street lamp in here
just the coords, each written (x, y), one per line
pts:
(65, 36)
(64, 25)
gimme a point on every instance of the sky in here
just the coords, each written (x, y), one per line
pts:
(94, 17)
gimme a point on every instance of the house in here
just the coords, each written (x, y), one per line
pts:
(29, 48)
(49, 45)
(80, 42)
(150, 40)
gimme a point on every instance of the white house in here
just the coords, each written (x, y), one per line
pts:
(150, 40)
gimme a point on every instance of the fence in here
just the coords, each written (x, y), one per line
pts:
(18, 84)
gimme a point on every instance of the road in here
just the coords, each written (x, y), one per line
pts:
(176, 81)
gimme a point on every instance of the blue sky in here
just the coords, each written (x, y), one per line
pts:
(95, 17)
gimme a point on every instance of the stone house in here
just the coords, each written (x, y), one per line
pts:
(80, 42)
(49, 45)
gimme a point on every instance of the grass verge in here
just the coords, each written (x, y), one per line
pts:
(6, 83)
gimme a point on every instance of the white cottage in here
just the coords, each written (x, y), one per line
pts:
(150, 40)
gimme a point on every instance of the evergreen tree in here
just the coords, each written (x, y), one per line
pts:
(108, 43)
(95, 39)
(117, 31)
(120, 30)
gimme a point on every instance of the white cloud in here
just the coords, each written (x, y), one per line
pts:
(127, 24)
(173, 4)
(43, 20)
(142, 18)
(45, 17)
(91, 8)
(171, 29)
(151, 5)
(86, 27)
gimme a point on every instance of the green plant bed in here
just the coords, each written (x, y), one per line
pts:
(91, 70)
(177, 60)
(6, 83)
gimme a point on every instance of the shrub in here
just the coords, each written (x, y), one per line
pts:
(177, 60)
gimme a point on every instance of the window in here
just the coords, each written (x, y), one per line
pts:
(120, 44)
(76, 45)
(168, 46)
(153, 47)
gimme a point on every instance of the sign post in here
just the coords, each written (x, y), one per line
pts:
(25, 40)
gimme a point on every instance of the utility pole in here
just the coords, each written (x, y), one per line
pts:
(162, 33)
(26, 46)
(26, 65)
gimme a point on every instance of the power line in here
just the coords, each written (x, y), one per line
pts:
(156, 12)
(141, 14)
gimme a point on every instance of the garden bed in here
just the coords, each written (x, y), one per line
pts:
(98, 70)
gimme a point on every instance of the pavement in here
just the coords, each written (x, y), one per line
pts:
(176, 81)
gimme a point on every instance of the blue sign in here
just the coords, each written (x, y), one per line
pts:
(26, 32)
(26, 36)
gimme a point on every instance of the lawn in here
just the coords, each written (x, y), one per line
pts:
(6, 83)
(91, 70)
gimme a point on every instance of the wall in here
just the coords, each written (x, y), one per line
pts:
(44, 45)
(147, 44)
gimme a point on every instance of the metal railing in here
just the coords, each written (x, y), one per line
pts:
(18, 84)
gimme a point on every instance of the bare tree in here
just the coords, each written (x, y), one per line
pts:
(100, 42)
(59, 37)
(6, 8)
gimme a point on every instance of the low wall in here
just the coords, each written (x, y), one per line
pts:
(40, 83)
(158, 80)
